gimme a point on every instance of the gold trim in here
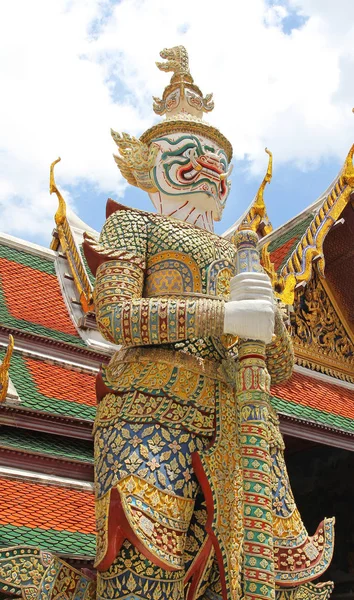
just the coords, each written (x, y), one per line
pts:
(181, 295)
(320, 339)
(68, 244)
(60, 215)
(4, 369)
(298, 267)
(338, 310)
(321, 364)
(258, 212)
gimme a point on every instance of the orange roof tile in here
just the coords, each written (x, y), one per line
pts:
(322, 395)
(55, 381)
(46, 506)
(34, 296)
(278, 255)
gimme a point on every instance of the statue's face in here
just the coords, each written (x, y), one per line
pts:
(191, 168)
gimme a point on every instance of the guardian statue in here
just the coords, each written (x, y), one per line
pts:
(192, 493)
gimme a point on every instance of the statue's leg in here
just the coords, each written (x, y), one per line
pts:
(213, 591)
(132, 576)
(145, 497)
(199, 552)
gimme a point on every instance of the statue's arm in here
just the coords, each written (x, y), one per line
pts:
(123, 315)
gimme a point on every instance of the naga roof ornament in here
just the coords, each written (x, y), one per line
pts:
(256, 216)
(4, 369)
(66, 239)
(297, 269)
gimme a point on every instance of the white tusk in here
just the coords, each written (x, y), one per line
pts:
(227, 174)
(196, 165)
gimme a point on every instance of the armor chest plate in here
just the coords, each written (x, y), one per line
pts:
(185, 260)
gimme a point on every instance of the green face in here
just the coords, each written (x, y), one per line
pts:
(192, 168)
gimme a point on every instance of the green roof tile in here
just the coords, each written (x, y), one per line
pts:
(46, 265)
(296, 232)
(63, 542)
(33, 399)
(292, 409)
(45, 444)
(43, 265)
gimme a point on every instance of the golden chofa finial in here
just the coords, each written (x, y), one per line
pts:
(4, 370)
(259, 205)
(60, 215)
(256, 216)
(348, 169)
(181, 95)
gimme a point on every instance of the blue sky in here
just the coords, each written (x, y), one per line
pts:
(281, 73)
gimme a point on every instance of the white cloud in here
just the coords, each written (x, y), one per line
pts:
(70, 70)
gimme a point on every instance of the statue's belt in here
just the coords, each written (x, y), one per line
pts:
(180, 295)
(205, 366)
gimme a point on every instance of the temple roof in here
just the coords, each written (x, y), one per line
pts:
(51, 525)
(57, 389)
(316, 400)
(294, 248)
(30, 296)
(286, 240)
(45, 445)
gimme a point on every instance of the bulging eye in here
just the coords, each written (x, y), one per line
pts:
(191, 152)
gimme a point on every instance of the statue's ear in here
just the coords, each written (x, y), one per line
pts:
(125, 170)
(135, 160)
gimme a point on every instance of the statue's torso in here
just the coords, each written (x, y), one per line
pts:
(185, 260)
(181, 260)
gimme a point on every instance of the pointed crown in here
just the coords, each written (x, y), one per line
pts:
(183, 103)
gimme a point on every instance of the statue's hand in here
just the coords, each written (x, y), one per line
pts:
(250, 312)
(250, 286)
(253, 319)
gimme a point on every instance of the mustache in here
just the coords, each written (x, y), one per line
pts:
(199, 165)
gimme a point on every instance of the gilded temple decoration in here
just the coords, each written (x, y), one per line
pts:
(188, 415)
(192, 494)
(69, 247)
(256, 216)
(298, 268)
(320, 339)
(307, 591)
(4, 369)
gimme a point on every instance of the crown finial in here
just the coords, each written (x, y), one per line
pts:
(176, 60)
(181, 95)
